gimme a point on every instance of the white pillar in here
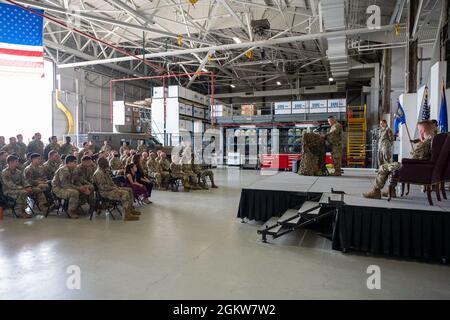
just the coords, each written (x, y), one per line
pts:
(409, 104)
(438, 74)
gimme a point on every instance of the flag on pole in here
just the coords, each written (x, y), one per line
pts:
(443, 115)
(400, 117)
(21, 41)
(426, 106)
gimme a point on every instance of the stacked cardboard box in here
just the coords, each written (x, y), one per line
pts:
(248, 110)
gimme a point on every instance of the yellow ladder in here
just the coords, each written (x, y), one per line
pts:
(356, 135)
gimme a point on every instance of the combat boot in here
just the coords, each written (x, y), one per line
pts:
(73, 214)
(135, 212)
(129, 216)
(374, 194)
(23, 215)
(386, 194)
(214, 186)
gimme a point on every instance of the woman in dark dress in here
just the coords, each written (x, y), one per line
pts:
(141, 176)
(139, 190)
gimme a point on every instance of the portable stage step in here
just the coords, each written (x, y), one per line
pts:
(291, 220)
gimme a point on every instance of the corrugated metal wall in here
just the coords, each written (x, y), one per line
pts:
(93, 99)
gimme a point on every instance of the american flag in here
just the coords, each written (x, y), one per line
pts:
(426, 106)
(21, 37)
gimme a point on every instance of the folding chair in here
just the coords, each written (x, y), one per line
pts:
(110, 205)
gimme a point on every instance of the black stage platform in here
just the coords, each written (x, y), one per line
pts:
(404, 227)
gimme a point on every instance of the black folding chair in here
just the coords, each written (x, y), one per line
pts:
(105, 203)
(8, 202)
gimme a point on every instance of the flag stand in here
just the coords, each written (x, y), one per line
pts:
(409, 136)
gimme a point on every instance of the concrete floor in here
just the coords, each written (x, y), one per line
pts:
(192, 246)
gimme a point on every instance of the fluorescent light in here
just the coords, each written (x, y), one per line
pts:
(330, 79)
(237, 40)
(205, 70)
(233, 86)
(278, 83)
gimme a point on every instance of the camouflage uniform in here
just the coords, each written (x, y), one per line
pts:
(64, 187)
(3, 165)
(33, 176)
(313, 155)
(191, 176)
(335, 138)
(51, 146)
(106, 148)
(122, 149)
(385, 140)
(84, 176)
(422, 152)
(67, 149)
(49, 168)
(36, 146)
(163, 169)
(177, 172)
(22, 150)
(81, 154)
(11, 148)
(14, 186)
(109, 190)
(142, 148)
(116, 166)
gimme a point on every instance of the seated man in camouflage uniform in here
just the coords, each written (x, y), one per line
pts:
(51, 165)
(15, 187)
(176, 172)
(115, 165)
(186, 166)
(34, 176)
(421, 152)
(163, 169)
(202, 173)
(65, 186)
(109, 190)
(84, 176)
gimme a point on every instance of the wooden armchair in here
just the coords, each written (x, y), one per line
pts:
(428, 173)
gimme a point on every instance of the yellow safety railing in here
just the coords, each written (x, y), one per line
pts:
(356, 135)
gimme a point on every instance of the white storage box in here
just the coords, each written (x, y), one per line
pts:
(188, 110)
(182, 108)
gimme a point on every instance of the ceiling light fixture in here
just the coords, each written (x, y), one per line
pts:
(330, 79)
(237, 40)
(278, 83)
(233, 86)
(205, 70)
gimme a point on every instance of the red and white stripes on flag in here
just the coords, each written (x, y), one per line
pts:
(21, 42)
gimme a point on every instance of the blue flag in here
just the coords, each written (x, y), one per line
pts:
(443, 116)
(400, 118)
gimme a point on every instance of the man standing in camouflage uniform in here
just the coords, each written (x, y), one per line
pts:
(53, 145)
(51, 165)
(11, 147)
(105, 147)
(34, 177)
(142, 147)
(335, 138)
(109, 190)
(67, 148)
(22, 148)
(385, 142)
(64, 186)
(36, 146)
(15, 187)
(421, 152)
